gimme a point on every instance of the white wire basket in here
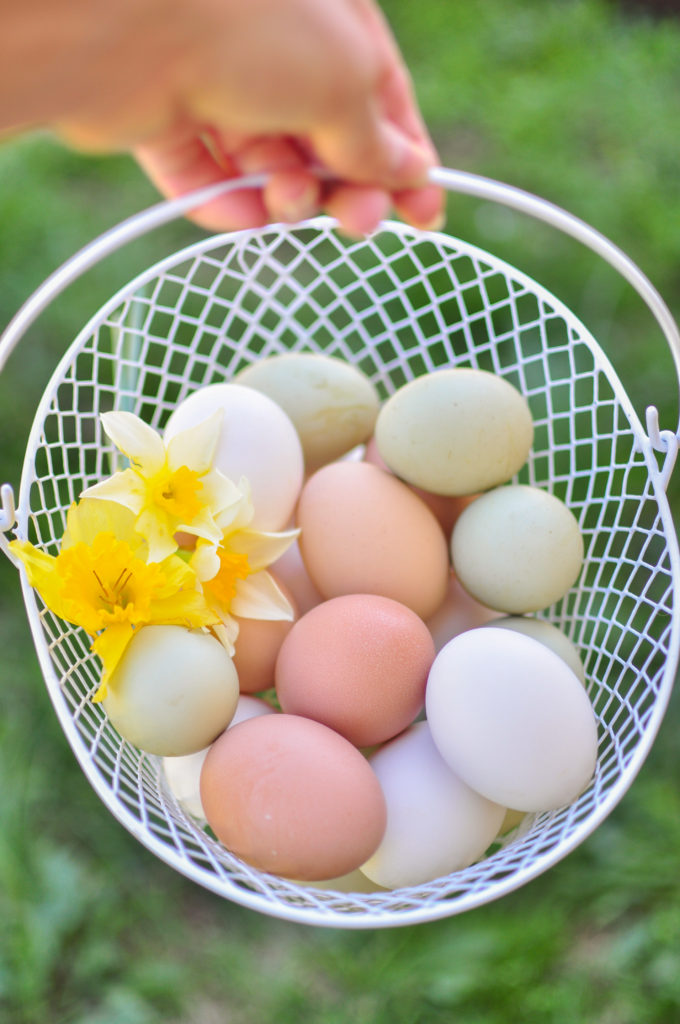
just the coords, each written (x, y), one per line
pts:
(398, 304)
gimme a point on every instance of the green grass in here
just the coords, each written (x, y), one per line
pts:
(567, 99)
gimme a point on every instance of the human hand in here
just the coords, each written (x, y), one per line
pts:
(200, 90)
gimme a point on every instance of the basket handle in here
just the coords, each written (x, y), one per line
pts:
(665, 441)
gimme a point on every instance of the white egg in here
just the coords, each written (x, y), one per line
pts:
(173, 692)
(455, 431)
(183, 774)
(332, 404)
(257, 441)
(549, 635)
(512, 719)
(517, 549)
(435, 822)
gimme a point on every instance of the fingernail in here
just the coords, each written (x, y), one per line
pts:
(437, 223)
(300, 206)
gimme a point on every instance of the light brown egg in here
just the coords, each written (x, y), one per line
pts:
(357, 663)
(364, 531)
(445, 509)
(290, 796)
(257, 646)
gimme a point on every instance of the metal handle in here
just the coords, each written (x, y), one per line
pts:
(451, 180)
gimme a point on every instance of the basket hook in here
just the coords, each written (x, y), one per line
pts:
(8, 518)
(664, 441)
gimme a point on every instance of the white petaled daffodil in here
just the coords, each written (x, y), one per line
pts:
(170, 488)
(233, 572)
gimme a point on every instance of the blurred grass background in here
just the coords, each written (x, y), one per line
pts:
(579, 101)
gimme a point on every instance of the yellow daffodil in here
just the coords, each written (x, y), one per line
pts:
(169, 488)
(102, 581)
(233, 572)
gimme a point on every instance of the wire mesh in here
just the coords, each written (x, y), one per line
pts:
(398, 304)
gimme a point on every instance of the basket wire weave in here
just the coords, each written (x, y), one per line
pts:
(397, 304)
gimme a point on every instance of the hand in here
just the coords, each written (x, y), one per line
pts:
(200, 90)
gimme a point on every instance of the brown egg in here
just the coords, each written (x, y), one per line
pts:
(364, 531)
(290, 796)
(257, 647)
(357, 663)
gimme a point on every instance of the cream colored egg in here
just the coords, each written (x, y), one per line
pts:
(455, 431)
(517, 549)
(435, 822)
(257, 440)
(547, 634)
(183, 774)
(331, 403)
(173, 691)
(511, 719)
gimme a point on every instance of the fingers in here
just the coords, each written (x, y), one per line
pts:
(183, 160)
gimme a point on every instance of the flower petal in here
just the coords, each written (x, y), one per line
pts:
(110, 646)
(262, 548)
(227, 633)
(125, 488)
(158, 535)
(258, 597)
(195, 447)
(42, 575)
(132, 436)
(87, 518)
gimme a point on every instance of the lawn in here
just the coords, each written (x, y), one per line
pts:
(574, 101)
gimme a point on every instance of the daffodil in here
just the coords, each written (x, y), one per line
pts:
(233, 573)
(170, 488)
(101, 580)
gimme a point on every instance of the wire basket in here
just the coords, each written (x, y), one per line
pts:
(398, 304)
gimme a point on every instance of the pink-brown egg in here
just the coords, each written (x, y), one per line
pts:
(290, 571)
(458, 613)
(357, 663)
(291, 796)
(364, 531)
(257, 647)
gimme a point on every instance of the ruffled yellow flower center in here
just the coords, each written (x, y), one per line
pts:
(176, 492)
(104, 583)
(233, 567)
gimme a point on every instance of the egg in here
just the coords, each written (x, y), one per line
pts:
(436, 824)
(458, 613)
(517, 549)
(364, 531)
(455, 431)
(257, 441)
(291, 796)
(512, 719)
(357, 663)
(173, 691)
(547, 634)
(332, 404)
(257, 647)
(183, 774)
(444, 508)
